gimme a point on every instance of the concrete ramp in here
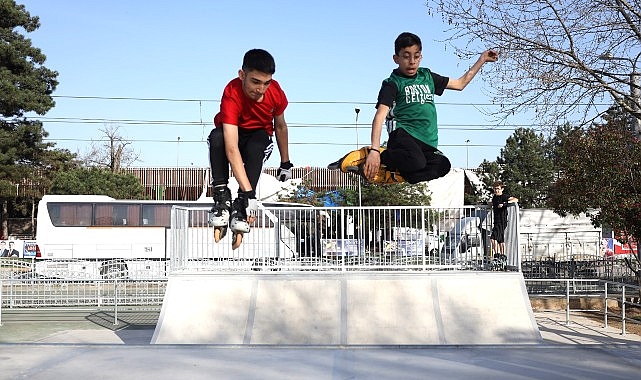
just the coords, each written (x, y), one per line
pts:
(347, 308)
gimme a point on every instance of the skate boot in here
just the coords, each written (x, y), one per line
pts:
(383, 176)
(219, 213)
(499, 263)
(238, 220)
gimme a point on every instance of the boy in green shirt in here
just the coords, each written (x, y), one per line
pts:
(407, 97)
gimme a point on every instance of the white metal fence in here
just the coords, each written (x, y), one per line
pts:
(293, 237)
(58, 295)
(39, 293)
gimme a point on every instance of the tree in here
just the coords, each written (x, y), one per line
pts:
(26, 86)
(600, 172)
(552, 52)
(401, 194)
(27, 165)
(114, 151)
(97, 181)
(525, 166)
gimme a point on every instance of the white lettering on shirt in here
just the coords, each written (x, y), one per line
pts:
(418, 93)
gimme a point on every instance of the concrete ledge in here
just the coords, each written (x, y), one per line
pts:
(350, 308)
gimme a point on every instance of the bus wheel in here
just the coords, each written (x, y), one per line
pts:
(112, 270)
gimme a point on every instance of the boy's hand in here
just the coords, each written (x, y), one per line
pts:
(372, 164)
(490, 55)
(284, 171)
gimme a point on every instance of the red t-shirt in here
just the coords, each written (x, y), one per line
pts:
(237, 109)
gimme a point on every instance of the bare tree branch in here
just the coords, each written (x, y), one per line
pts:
(551, 63)
(112, 151)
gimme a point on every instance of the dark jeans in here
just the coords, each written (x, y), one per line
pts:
(255, 148)
(415, 160)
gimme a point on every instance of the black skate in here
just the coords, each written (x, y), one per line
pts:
(219, 213)
(499, 263)
(238, 221)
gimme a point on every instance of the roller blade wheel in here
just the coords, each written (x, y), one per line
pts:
(219, 233)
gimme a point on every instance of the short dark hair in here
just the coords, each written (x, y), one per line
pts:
(498, 184)
(407, 39)
(259, 60)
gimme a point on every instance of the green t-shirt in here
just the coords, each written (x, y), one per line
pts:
(413, 105)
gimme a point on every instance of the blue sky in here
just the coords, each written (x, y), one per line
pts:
(331, 57)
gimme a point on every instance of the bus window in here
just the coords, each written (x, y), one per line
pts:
(158, 215)
(126, 215)
(71, 214)
(104, 215)
(117, 215)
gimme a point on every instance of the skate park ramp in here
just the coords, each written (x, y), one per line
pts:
(347, 308)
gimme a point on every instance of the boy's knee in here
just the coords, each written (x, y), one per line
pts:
(215, 138)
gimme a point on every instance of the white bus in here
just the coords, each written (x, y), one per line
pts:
(95, 236)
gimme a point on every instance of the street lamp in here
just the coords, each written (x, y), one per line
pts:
(635, 89)
(467, 154)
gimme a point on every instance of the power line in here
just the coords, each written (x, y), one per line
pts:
(330, 143)
(446, 126)
(82, 97)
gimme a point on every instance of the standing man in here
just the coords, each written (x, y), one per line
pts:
(251, 111)
(500, 202)
(407, 96)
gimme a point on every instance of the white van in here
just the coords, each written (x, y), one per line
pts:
(466, 242)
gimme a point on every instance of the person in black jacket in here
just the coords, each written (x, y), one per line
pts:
(500, 201)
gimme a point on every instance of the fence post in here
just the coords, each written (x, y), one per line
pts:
(115, 301)
(567, 302)
(1, 287)
(623, 311)
(605, 314)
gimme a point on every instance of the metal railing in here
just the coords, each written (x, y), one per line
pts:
(606, 291)
(118, 296)
(100, 294)
(292, 237)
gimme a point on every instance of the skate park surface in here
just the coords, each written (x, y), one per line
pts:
(347, 308)
(364, 341)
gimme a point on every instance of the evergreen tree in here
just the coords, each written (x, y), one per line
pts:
(97, 181)
(525, 166)
(26, 86)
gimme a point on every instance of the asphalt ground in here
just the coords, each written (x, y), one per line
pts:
(86, 344)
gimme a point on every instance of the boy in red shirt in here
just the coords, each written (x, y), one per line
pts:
(251, 111)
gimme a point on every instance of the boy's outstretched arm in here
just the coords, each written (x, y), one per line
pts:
(373, 161)
(460, 83)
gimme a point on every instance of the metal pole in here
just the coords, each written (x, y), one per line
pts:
(605, 318)
(567, 302)
(635, 95)
(116, 302)
(623, 311)
(0, 303)
(177, 151)
(467, 154)
(360, 199)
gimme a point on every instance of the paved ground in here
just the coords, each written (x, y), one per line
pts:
(88, 345)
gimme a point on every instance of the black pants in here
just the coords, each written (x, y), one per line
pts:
(415, 160)
(255, 148)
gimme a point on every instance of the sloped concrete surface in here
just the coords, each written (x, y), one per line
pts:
(347, 309)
